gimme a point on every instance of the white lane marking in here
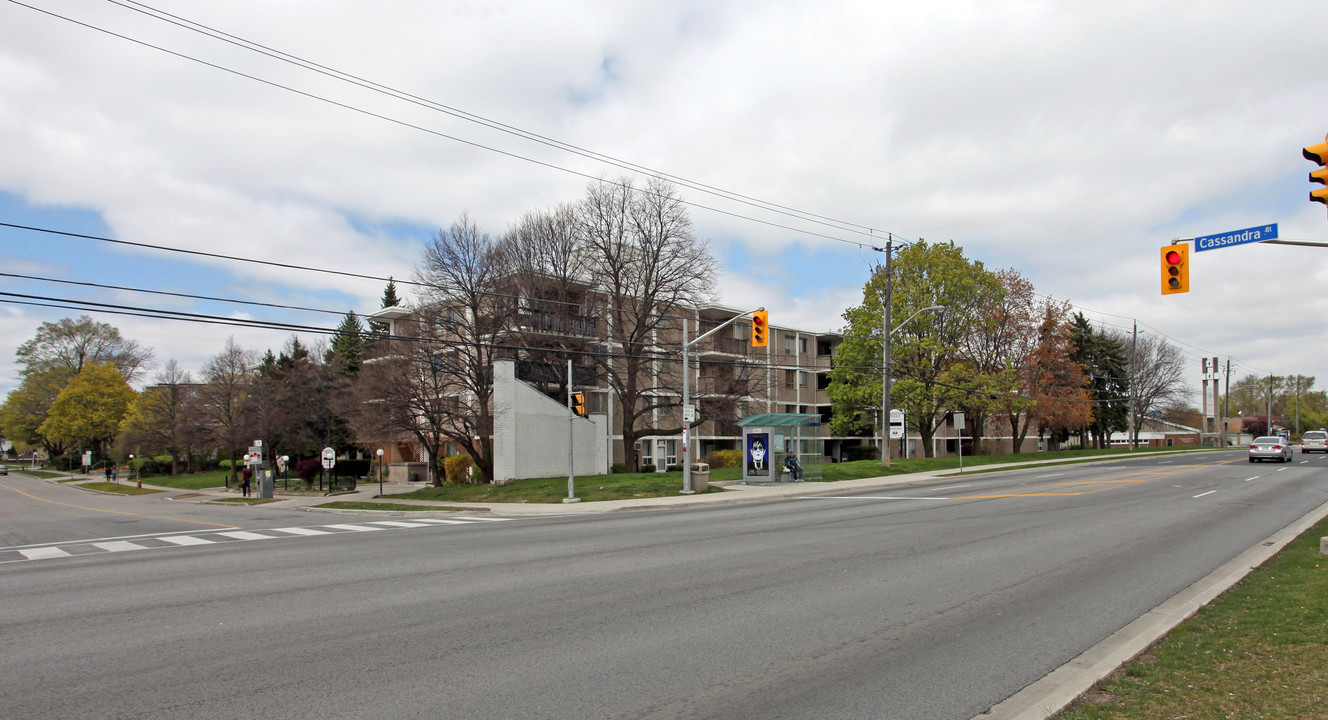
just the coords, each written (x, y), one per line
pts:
(300, 531)
(244, 535)
(868, 497)
(187, 540)
(1039, 477)
(354, 528)
(1281, 469)
(396, 523)
(1256, 477)
(42, 553)
(1210, 492)
(947, 487)
(119, 546)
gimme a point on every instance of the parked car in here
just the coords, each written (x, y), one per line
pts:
(1314, 441)
(4, 470)
(1270, 448)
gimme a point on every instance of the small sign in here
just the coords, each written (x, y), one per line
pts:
(329, 458)
(689, 413)
(959, 421)
(896, 424)
(87, 458)
(1236, 237)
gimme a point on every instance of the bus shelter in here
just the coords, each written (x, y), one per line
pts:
(768, 438)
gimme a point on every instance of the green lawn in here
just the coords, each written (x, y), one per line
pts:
(1260, 650)
(625, 486)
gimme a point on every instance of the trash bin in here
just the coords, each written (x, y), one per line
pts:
(700, 477)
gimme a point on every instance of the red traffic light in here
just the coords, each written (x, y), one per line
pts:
(1173, 257)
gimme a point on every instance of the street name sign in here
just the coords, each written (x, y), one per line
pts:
(1236, 237)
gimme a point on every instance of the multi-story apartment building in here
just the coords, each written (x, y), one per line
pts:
(730, 379)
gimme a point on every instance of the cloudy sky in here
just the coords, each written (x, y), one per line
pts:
(1068, 141)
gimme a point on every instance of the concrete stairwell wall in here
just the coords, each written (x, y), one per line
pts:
(530, 432)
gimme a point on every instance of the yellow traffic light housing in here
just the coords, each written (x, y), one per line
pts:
(579, 403)
(760, 329)
(1175, 269)
(1318, 154)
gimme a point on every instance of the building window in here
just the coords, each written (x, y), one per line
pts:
(790, 345)
(802, 379)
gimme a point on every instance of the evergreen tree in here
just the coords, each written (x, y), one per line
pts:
(348, 345)
(390, 298)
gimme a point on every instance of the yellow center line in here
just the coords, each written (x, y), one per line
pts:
(1133, 478)
(117, 512)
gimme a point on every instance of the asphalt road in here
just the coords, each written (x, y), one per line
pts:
(933, 601)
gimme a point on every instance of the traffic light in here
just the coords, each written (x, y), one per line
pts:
(760, 329)
(1318, 154)
(579, 403)
(1175, 269)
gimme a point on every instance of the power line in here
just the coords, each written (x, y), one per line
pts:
(436, 133)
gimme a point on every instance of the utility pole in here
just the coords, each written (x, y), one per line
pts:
(1134, 343)
(885, 353)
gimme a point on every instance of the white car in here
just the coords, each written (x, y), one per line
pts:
(1270, 448)
(1314, 441)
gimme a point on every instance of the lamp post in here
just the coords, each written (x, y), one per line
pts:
(380, 472)
(885, 380)
(285, 472)
(130, 468)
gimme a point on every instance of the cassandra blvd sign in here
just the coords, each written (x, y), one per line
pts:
(1236, 237)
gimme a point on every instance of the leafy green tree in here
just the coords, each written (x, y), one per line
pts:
(90, 408)
(26, 408)
(930, 375)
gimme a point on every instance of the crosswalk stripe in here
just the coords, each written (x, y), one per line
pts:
(396, 523)
(441, 521)
(244, 535)
(354, 528)
(186, 540)
(42, 553)
(300, 531)
(118, 546)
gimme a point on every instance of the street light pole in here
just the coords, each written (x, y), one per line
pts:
(380, 472)
(687, 396)
(885, 366)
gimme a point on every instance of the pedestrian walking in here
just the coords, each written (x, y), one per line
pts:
(108, 472)
(245, 476)
(115, 473)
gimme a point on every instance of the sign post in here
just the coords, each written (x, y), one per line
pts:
(329, 462)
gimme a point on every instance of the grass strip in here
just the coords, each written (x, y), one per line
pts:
(245, 500)
(1260, 650)
(393, 507)
(121, 489)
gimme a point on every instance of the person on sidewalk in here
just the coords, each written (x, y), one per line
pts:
(108, 472)
(245, 476)
(793, 466)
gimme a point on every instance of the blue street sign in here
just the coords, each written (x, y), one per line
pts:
(1236, 237)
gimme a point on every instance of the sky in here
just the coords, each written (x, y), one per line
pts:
(1068, 141)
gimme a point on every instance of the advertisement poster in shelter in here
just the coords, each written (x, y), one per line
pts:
(758, 455)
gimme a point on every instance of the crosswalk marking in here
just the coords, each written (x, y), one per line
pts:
(118, 546)
(186, 540)
(147, 542)
(43, 552)
(243, 535)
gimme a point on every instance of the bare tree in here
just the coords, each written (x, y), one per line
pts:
(75, 343)
(1156, 376)
(643, 258)
(227, 378)
(164, 417)
(445, 380)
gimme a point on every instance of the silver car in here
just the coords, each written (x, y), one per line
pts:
(1270, 448)
(1314, 441)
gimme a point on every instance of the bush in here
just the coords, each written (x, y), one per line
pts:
(647, 468)
(617, 468)
(308, 469)
(860, 452)
(457, 468)
(674, 468)
(724, 458)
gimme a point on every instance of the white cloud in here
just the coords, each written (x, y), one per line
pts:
(1068, 141)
